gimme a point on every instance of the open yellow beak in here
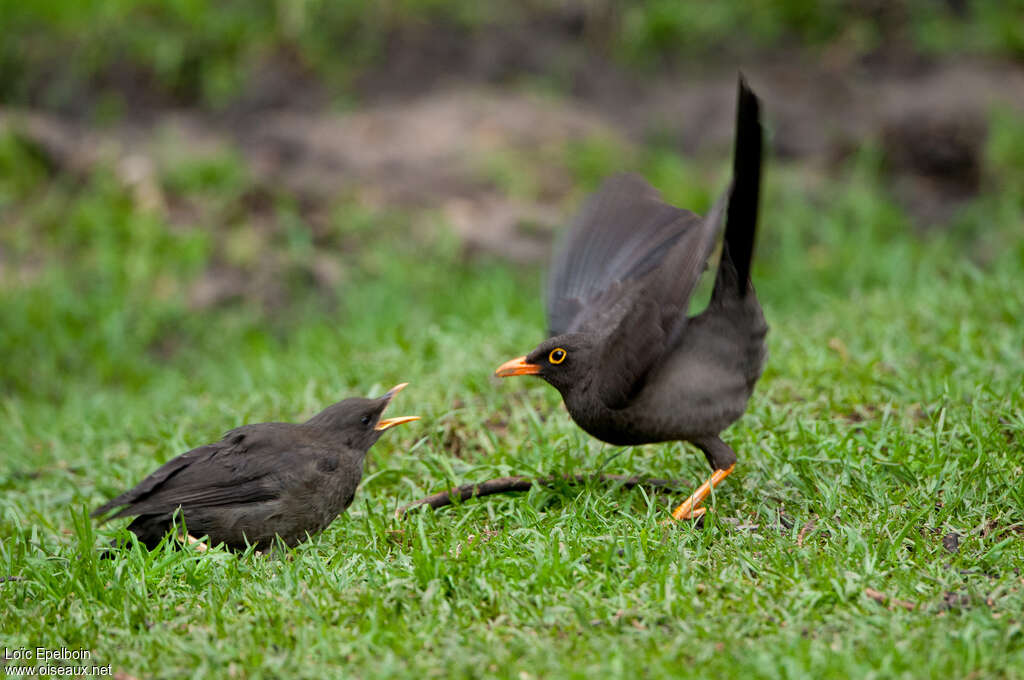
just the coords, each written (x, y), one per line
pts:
(388, 423)
(517, 366)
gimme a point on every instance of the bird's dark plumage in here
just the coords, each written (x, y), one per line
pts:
(260, 481)
(631, 365)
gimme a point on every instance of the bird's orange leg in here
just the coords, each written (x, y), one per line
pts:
(690, 508)
(191, 540)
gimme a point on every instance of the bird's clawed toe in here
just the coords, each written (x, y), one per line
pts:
(690, 508)
(193, 542)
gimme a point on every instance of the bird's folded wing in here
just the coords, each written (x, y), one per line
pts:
(169, 499)
(622, 233)
(223, 474)
(160, 476)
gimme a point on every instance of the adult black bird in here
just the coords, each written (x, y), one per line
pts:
(631, 365)
(260, 481)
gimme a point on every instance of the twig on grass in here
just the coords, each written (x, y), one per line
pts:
(883, 599)
(519, 483)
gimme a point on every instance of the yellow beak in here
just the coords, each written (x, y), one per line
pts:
(388, 423)
(517, 366)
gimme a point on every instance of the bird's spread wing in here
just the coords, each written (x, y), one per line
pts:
(626, 272)
(241, 468)
(622, 232)
(671, 285)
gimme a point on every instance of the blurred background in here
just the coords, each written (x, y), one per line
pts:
(190, 188)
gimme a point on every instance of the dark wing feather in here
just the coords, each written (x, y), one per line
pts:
(160, 477)
(241, 468)
(655, 312)
(672, 284)
(622, 232)
(628, 352)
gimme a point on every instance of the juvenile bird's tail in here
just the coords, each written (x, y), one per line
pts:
(741, 215)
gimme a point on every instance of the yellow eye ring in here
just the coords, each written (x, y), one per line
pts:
(557, 355)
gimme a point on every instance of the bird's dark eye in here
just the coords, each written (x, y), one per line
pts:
(365, 420)
(557, 355)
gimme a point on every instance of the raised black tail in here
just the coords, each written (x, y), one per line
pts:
(741, 215)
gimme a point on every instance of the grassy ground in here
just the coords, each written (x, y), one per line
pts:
(882, 451)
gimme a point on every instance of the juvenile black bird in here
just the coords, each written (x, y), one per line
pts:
(260, 481)
(631, 365)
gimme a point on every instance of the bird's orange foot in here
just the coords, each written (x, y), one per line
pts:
(194, 542)
(690, 508)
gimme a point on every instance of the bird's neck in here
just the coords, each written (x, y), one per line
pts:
(341, 443)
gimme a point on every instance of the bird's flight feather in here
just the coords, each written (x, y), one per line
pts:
(622, 233)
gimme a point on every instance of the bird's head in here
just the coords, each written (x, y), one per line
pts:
(357, 422)
(565, 361)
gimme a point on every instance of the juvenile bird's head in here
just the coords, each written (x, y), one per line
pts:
(357, 422)
(565, 361)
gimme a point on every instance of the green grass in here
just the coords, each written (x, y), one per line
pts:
(890, 416)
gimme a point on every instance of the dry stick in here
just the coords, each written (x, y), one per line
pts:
(506, 484)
